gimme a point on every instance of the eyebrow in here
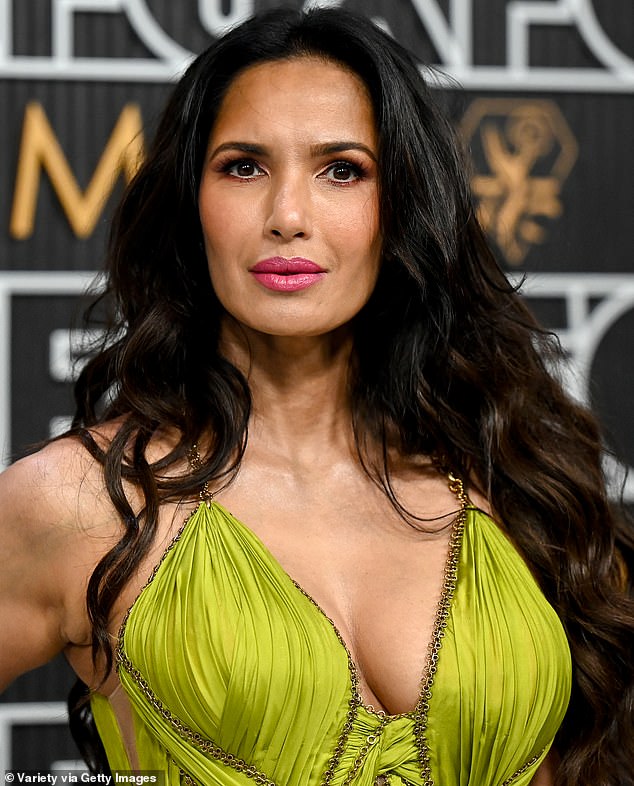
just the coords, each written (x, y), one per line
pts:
(322, 149)
(327, 148)
(243, 147)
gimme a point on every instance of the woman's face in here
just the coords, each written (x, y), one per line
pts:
(288, 199)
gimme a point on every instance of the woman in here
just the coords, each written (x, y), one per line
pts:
(311, 332)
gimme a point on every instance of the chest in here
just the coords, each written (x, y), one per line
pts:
(377, 579)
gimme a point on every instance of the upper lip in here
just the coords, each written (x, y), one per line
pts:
(288, 267)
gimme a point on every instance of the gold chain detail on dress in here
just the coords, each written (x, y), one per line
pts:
(207, 746)
(353, 704)
(523, 768)
(444, 607)
(155, 569)
(195, 462)
(421, 711)
(195, 738)
(185, 777)
(205, 496)
(371, 740)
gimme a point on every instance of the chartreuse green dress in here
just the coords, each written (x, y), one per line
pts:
(236, 676)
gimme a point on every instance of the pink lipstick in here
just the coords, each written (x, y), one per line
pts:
(287, 275)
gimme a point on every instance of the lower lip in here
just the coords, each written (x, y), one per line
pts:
(291, 283)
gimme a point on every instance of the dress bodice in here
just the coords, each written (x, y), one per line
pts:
(235, 675)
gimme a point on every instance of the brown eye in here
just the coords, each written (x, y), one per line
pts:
(343, 172)
(244, 169)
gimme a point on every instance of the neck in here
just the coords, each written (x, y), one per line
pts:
(299, 389)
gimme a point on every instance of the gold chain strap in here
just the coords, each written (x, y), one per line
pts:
(195, 463)
(450, 580)
(456, 486)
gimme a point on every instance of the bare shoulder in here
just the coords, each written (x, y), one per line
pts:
(50, 478)
(58, 492)
(55, 524)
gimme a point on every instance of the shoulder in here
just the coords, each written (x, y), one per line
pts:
(59, 496)
(57, 521)
(52, 493)
(55, 524)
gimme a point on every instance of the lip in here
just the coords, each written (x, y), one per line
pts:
(287, 275)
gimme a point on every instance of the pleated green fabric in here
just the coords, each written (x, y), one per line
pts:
(236, 676)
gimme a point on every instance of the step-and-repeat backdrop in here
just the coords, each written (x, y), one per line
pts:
(542, 92)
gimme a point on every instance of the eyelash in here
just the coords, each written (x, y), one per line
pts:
(356, 169)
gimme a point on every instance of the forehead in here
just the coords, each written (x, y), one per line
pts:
(304, 96)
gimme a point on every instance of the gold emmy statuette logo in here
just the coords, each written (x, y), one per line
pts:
(523, 152)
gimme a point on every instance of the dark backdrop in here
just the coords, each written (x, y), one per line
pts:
(546, 107)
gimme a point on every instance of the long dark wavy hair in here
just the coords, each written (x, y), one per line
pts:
(447, 362)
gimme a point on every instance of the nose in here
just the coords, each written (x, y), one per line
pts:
(289, 208)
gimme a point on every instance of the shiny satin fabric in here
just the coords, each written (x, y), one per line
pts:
(235, 675)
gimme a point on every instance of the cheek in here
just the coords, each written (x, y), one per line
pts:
(362, 232)
(354, 221)
(213, 220)
(368, 219)
(231, 229)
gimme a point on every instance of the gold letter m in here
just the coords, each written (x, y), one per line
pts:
(40, 149)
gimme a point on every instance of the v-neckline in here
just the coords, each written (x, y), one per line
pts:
(443, 607)
(450, 575)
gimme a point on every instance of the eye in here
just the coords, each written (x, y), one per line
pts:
(244, 169)
(343, 172)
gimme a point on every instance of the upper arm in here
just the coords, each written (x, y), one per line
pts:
(44, 565)
(545, 775)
